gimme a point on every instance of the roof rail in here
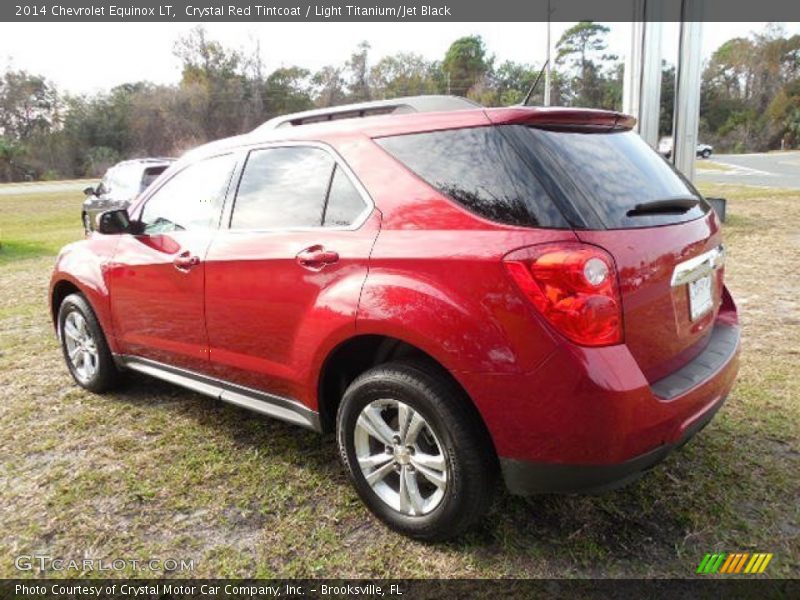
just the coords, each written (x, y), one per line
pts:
(408, 104)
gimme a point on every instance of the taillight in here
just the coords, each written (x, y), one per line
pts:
(574, 286)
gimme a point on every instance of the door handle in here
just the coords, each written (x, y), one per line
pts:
(316, 257)
(185, 261)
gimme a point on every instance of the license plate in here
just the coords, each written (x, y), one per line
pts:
(700, 298)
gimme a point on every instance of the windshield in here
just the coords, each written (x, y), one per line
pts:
(122, 182)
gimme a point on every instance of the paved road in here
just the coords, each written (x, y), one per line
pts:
(775, 169)
(46, 187)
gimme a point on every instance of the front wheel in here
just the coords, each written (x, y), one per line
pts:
(84, 346)
(706, 153)
(415, 451)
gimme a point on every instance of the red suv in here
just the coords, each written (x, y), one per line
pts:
(462, 295)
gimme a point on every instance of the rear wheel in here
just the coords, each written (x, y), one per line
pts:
(415, 454)
(706, 153)
(84, 345)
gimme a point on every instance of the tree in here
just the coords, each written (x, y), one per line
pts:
(329, 86)
(510, 83)
(11, 155)
(748, 95)
(287, 91)
(577, 48)
(358, 87)
(667, 104)
(220, 86)
(405, 74)
(466, 64)
(28, 105)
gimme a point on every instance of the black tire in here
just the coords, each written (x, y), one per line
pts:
(468, 452)
(105, 375)
(706, 153)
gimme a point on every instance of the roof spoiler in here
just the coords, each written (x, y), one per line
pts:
(563, 119)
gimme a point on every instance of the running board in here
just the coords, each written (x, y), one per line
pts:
(271, 405)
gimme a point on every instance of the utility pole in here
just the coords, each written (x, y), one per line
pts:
(547, 62)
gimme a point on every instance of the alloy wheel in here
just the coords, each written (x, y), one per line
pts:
(81, 346)
(401, 457)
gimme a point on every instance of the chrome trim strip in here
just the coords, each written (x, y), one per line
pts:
(265, 403)
(699, 266)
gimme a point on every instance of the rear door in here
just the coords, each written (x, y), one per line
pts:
(289, 269)
(664, 237)
(157, 278)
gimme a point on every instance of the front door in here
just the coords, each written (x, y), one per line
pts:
(157, 279)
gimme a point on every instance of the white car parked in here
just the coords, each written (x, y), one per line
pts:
(665, 148)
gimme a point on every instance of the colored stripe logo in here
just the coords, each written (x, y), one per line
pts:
(740, 562)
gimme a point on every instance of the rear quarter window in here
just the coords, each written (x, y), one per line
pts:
(479, 169)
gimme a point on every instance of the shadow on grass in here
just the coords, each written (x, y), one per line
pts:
(651, 517)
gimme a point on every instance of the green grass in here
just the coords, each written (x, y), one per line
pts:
(155, 471)
(34, 225)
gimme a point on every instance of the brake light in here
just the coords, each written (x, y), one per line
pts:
(574, 286)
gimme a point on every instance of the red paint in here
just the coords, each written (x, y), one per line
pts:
(267, 315)
(265, 309)
(657, 326)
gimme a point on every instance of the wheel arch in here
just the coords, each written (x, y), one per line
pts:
(63, 285)
(60, 290)
(361, 352)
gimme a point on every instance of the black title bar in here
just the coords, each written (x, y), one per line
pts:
(395, 11)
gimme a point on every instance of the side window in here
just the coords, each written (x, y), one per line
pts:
(479, 169)
(192, 199)
(345, 204)
(283, 188)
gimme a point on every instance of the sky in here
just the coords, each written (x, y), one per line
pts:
(93, 57)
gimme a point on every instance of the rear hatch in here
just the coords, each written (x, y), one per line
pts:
(622, 196)
(584, 172)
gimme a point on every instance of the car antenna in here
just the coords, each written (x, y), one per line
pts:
(535, 83)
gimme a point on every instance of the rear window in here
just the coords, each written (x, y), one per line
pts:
(480, 169)
(616, 175)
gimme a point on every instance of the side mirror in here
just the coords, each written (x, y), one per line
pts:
(114, 222)
(89, 191)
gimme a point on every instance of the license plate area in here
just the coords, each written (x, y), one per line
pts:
(701, 298)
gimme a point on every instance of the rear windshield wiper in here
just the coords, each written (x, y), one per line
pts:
(670, 206)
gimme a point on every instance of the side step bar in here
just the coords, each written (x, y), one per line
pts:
(271, 405)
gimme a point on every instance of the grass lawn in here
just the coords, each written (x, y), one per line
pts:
(153, 471)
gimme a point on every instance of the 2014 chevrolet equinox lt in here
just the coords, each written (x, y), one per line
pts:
(525, 293)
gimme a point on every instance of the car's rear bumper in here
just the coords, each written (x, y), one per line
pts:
(526, 478)
(590, 419)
